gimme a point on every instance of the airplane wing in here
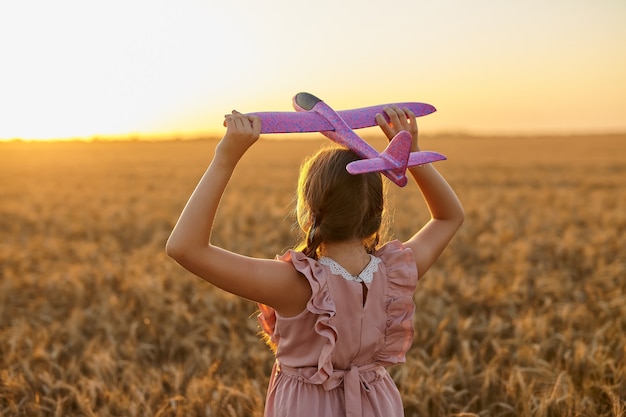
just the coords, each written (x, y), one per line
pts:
(292, 122)
(300, 122)
(424, 157)
(366, 116)
(379, 164)
(368, 165)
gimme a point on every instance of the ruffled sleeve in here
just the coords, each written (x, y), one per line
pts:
(320, 304)
(401, 271)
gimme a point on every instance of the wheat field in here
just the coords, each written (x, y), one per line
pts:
(523, 315)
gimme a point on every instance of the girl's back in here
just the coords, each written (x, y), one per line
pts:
(343, 336)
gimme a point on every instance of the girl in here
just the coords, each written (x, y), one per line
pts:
(339, 309)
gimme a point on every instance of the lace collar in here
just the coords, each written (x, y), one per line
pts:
(367, 275)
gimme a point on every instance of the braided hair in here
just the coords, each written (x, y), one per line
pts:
(335, 206)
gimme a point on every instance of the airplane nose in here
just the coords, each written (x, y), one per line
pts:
(306, 101)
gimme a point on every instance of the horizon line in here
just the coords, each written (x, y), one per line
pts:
(174, 136)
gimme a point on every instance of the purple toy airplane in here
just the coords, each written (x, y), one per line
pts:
(313, 115)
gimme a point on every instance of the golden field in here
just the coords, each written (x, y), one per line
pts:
(523, 315)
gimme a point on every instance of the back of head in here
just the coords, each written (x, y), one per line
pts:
(335, 206)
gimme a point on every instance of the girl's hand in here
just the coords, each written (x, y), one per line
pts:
(241, 132)
(400, 119)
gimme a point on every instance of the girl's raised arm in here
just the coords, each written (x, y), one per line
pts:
(267, 281)
(446, 211)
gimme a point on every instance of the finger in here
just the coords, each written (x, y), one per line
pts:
(384, 126)
(402, 117)
(240, 121)
(412, 120)
(228, 120)
(242, 124)
(256, 124)
(233, 124)
(393, 118)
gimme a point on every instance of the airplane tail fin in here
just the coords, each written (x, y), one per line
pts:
(395, 159)
(392, 161)
(399, 149)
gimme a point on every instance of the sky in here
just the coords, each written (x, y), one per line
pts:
(173, 68)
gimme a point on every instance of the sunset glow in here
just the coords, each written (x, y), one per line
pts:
(73, 69)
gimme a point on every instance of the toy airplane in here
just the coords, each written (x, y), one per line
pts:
(313, 115)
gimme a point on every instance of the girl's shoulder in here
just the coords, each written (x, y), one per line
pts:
(397, 258)
(310, 268)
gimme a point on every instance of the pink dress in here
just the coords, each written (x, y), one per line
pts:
(331, 358)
